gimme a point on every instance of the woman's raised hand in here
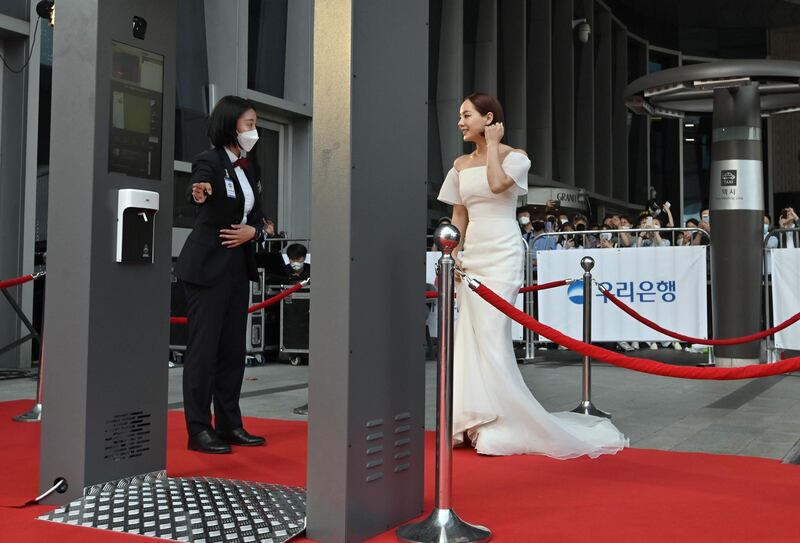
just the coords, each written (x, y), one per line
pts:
(200, 191)
(494, 133)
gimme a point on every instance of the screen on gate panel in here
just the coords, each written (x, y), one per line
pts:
(137, 81)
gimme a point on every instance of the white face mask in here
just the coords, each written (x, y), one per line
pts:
(766, 229)
(624, 226)
(524, 221)
(564, 221)
(705, 218)
(297, 266)
(247, 140)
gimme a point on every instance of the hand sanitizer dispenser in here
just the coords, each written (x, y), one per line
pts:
(136, 216)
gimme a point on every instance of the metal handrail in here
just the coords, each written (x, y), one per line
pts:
(671, 230)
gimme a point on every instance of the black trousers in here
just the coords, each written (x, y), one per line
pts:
(213, 366)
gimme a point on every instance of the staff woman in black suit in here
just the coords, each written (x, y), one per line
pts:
(216, 264)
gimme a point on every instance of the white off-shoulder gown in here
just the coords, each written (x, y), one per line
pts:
(490, 399)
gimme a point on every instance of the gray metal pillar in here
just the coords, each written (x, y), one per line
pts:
(107, 322)
(15, 240)
(736, 196)
(366, 390)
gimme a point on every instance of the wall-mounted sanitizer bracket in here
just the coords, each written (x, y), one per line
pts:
(136, 217)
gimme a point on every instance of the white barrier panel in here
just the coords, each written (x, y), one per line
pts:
(665, 284)
(430, 277)
(786, 295)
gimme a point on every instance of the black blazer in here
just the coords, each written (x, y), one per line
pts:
(204, 260)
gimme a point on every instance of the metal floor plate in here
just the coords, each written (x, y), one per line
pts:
(201, 510)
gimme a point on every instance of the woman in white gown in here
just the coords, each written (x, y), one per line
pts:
(491, 402)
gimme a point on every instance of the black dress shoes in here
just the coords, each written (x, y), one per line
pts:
(208, 442)
(240, 437)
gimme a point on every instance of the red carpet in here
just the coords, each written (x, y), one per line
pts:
(638, 495)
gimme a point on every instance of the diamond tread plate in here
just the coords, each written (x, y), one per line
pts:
(196, 509)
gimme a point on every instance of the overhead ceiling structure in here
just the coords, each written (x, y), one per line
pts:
(690, 89)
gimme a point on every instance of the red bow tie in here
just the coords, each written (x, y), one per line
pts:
(241, 162)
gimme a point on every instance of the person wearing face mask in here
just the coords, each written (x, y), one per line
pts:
(297, 268)
(525, 226)
(773, 241)
(216, 264)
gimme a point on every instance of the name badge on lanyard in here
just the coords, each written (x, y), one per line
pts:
(229, 188)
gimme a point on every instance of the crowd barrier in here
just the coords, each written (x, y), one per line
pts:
(778, 237)
(530, 338)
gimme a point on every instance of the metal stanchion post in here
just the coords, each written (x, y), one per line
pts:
(586, 406)
(443, 525)
(529, 336)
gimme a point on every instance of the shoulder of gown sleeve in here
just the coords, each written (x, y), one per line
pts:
(516, 166)
(450, 193)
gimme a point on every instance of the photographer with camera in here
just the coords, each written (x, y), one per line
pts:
(653, 237)
(789, 219)
(568, 240)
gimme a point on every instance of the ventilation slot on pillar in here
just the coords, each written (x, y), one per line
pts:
(402, 442)
(127, 436)
(374, 462)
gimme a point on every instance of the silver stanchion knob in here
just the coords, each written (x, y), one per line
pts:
(447, 238)
(587, 263)
(443, 525)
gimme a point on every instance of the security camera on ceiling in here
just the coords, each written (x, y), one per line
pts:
(582, 29)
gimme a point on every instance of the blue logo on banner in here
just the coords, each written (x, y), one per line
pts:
(575, 292)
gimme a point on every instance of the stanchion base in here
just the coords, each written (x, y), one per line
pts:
(442, 526)
(34, 414)
(588, 408)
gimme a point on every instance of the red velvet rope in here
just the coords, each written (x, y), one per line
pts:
(275, 299)
(730, 341)
(632, 363)
(8, 283)
(532, 288)
(545, 286)
(253, 308)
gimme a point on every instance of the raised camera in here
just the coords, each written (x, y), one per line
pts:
(139, 26)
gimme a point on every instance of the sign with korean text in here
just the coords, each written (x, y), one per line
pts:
(736, 184)
(665, 284)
